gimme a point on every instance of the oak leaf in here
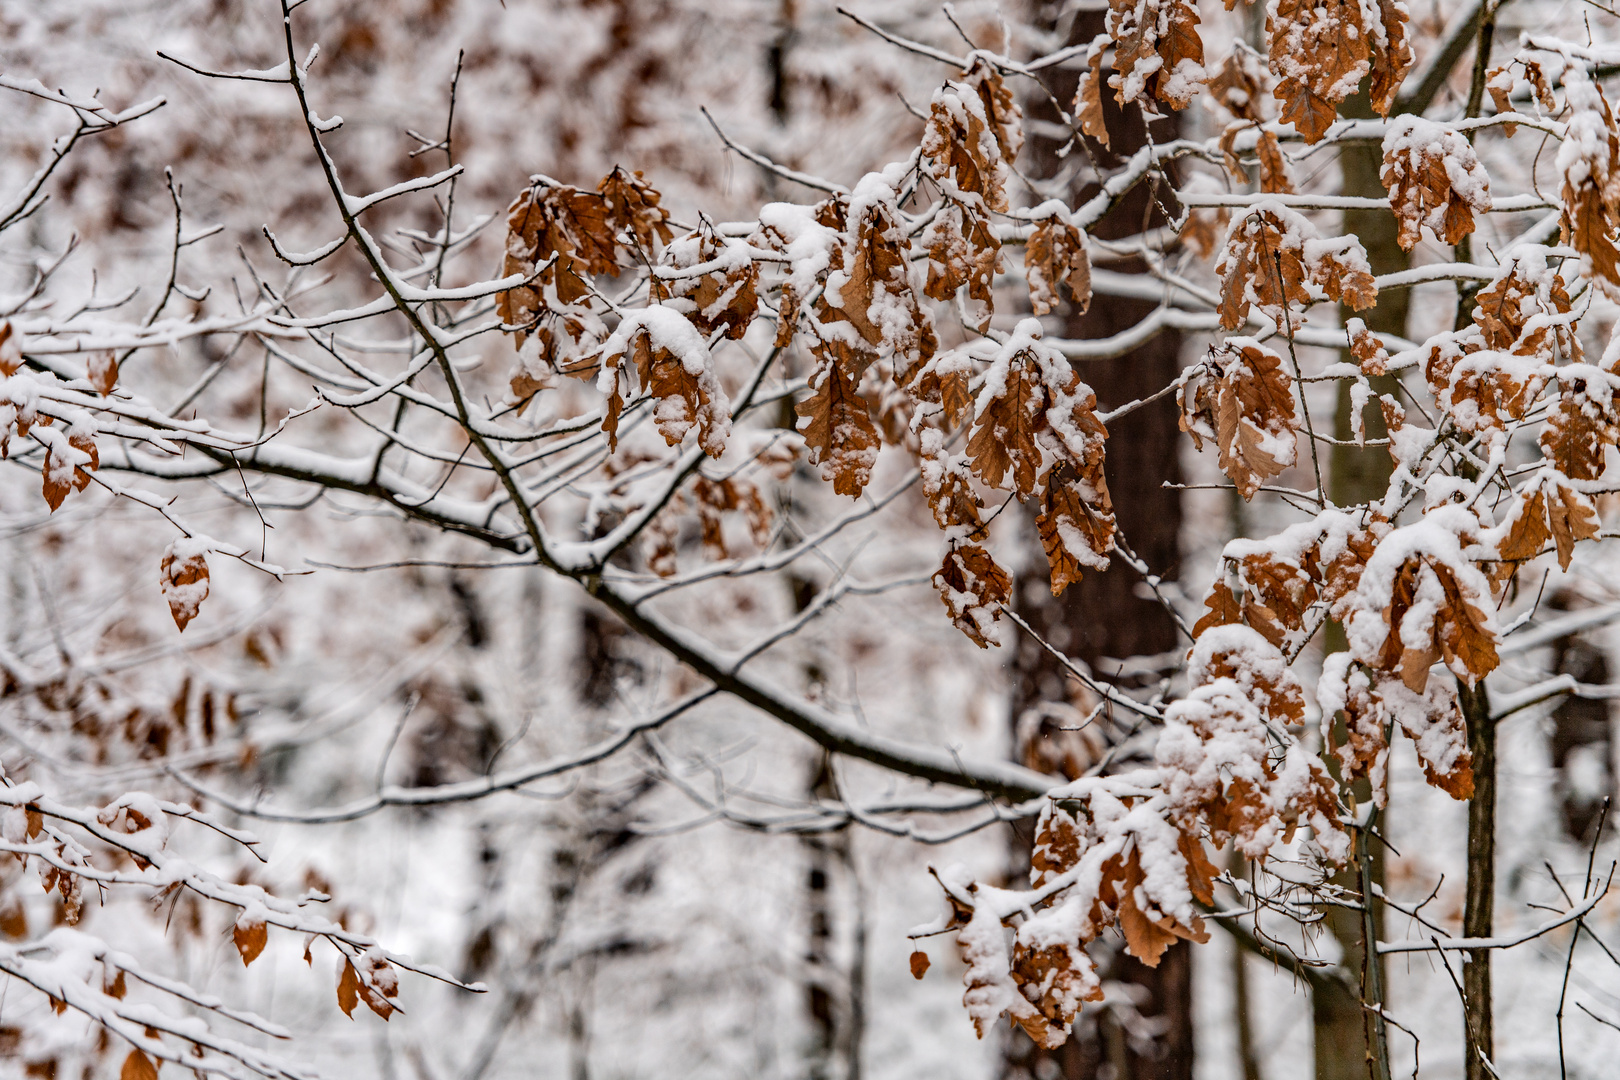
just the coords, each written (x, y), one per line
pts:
(836, 421)
(973, 588)
(1274, 258)
(1157, 52)
(962, 251)
(1434, 178)
(1056, 252)
(1242, 398)
(1076, 524)
(1319, 53)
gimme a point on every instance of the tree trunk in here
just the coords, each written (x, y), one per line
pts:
(1357, 475)
(1481, 889)
(1101, 617)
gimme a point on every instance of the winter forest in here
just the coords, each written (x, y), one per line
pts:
(1022, 540)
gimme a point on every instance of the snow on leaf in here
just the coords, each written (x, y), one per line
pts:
(1157, 52)
(1371, 702)
(184, 579)
(1589, 161)
(1390, 55)
(1275, 259)
(973, 588)
(1319, 53)
(1219, 768)
(1369, 352)
(1548, 508)
(868, 278)
(68, 456)
(727, 296)
(1583, 421)
(250, 936)
(962, 251)
(672, 362)
(1076, 524)
(1001, 109)
(1088, 108)
(1421, 600)
(836, 420)
(1242, 398)
(965, 147)
(1056, 252)
(102, 371)
(1434, 178)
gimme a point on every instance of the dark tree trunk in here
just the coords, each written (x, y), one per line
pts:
(1102, 618)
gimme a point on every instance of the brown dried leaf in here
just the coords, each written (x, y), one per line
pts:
(250, 940)
(962, 250)
(837, 421)
(1245, 400)
(959, 140)
(11, 356)
(183, 577)
(1390, 57)
(137, 1066)
(633, 207)
(1579, 429)
(1221, 609)
(1088, 108)
(1056, 252)
(1367, 349)
(1076, 524)
(348, 991)
(919, 963)
(1422, 161)
(1002, 112)
(1273, 168)
(973, 588)
(1157, 52)
(103, 372)
(1004, 436)
(1571, 517)
(1318, 50)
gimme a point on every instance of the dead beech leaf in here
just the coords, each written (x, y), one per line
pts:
(250, 939)
(137, 1066)
(1390, 56)
(1274, 259)
(1076, 524)
(103, 372)
(183, 577)
(348, 991)
(919, 963)
(1088, 107)
(962, 251)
